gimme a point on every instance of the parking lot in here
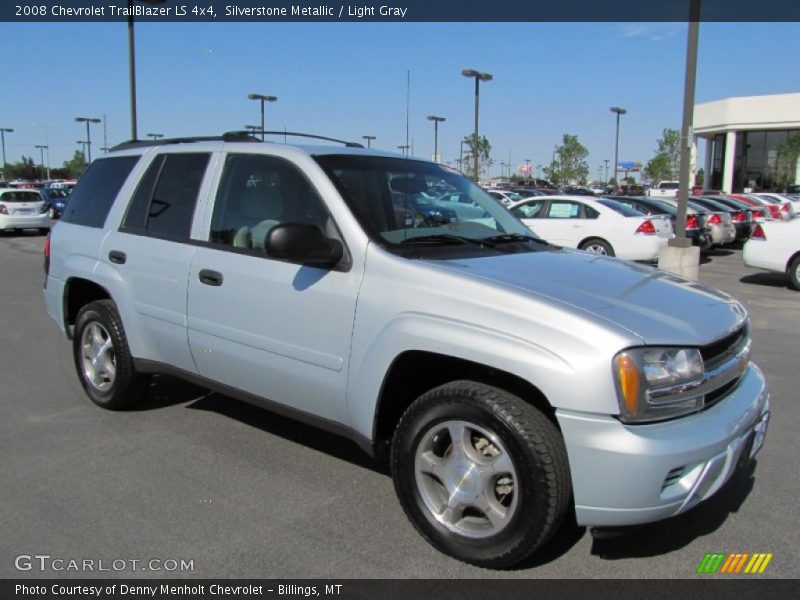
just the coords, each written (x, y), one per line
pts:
(241, 492)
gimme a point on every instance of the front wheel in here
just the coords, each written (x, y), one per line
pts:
(481, 474)
(103, 360)
(794, 273)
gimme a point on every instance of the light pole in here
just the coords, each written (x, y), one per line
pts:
(606, 161)
(619, 111)
(132, 63)
(83, 151)
(41, 152)
(252, 128)
(478, 78)
(88, 120)
(502, 168)
(538, 169)
(155, 136)
(436, 120)
(262, 99)
(528, 168)
(3, 132)
(369, 139)
(404, 149)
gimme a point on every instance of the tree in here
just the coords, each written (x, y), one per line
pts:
(483, 148)
(571, 166)
(788, 155)
(700, 178)
(75, 166)
(665, 165)
(24, 169)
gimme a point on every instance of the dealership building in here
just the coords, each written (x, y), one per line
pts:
(742, 138)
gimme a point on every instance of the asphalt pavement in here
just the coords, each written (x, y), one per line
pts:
(240, 492)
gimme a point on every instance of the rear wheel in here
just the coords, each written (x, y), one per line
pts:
(103, 360)
(794, 273)
(481, 474)
(597, 246)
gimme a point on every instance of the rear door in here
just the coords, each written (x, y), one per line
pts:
(566, 222)
(152, 253)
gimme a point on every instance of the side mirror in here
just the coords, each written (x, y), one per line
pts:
(303, 243)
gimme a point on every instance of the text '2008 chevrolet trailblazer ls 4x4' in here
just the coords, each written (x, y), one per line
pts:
(512, 381)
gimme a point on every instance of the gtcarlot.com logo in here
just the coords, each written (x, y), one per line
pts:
(735, 563)
(45, 562)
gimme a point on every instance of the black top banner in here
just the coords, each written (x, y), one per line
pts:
(398, 10)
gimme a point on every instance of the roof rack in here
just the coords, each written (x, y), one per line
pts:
(252, 132)
(230, 136)
(237, 136)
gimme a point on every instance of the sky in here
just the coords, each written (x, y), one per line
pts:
(346, 80)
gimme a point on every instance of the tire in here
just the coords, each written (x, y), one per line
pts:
(110, 380)
(793, 272)
(498, 497)
(597, 246)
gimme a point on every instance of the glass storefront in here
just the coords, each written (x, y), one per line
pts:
(755, 159)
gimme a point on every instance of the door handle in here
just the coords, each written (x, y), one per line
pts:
(209, 277)
(117, 257)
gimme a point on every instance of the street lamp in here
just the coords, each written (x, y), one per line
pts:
(132, 63)
(404, 149)
(83, 151)
(538, 168)
(3, 132)
(88, 120)
(41, 152)
(369, 139)
(619, 111)
(605, 160)
(155, 136)
(478, 78)
(436, 120)
(262, 99)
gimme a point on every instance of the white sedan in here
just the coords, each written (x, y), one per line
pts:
(601, 226)
(23, 209)
(775, 246)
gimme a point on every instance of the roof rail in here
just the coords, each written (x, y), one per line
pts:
(237, 136)
(295, 134)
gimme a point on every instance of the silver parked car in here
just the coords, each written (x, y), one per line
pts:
(510, 382)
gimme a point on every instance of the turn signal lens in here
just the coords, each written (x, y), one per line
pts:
(629, 382)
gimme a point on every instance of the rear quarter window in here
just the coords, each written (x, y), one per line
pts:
(93, 196)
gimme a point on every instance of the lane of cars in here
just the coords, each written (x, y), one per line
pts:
(33, 206)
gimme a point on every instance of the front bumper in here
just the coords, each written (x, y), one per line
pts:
(632, 474)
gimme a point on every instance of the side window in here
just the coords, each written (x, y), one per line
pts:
(590, 213)
(172, 205)
(531, 210)
(564, 210)
(163, 204)
(257, 193)
(91, 200)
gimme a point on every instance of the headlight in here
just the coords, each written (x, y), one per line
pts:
(652, 383)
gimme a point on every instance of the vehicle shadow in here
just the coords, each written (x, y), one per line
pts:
(166, 391)
(679, 531)
(716, 251)
(767, 279)
(569, 534)
(289, 429)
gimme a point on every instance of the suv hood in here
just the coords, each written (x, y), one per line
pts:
(658, 307)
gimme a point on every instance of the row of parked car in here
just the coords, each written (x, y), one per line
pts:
(637, 227)
(33, 208)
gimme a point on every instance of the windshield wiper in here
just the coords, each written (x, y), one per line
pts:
(510, 237)
(445, 239)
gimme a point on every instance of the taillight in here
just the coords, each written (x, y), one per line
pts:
(691, 222)
(714, 220)
(646, 228)
(774, 211)
(786, 207)
(758, 233)
(3, 209)
(738, 217)
(47, 253)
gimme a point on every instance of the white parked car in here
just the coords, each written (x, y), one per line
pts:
(505, 197)
(23, 209)
(601, 225)
(775, 246)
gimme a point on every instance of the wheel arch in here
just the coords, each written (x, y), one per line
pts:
(78, 292)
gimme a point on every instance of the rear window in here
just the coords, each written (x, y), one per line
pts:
(20, 197)
(96, 190)
(623, 209)
(669, 185)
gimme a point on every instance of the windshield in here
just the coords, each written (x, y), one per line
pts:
(20, 197)
(400, 202)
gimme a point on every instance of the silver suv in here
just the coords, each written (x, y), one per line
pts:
(392, 301)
